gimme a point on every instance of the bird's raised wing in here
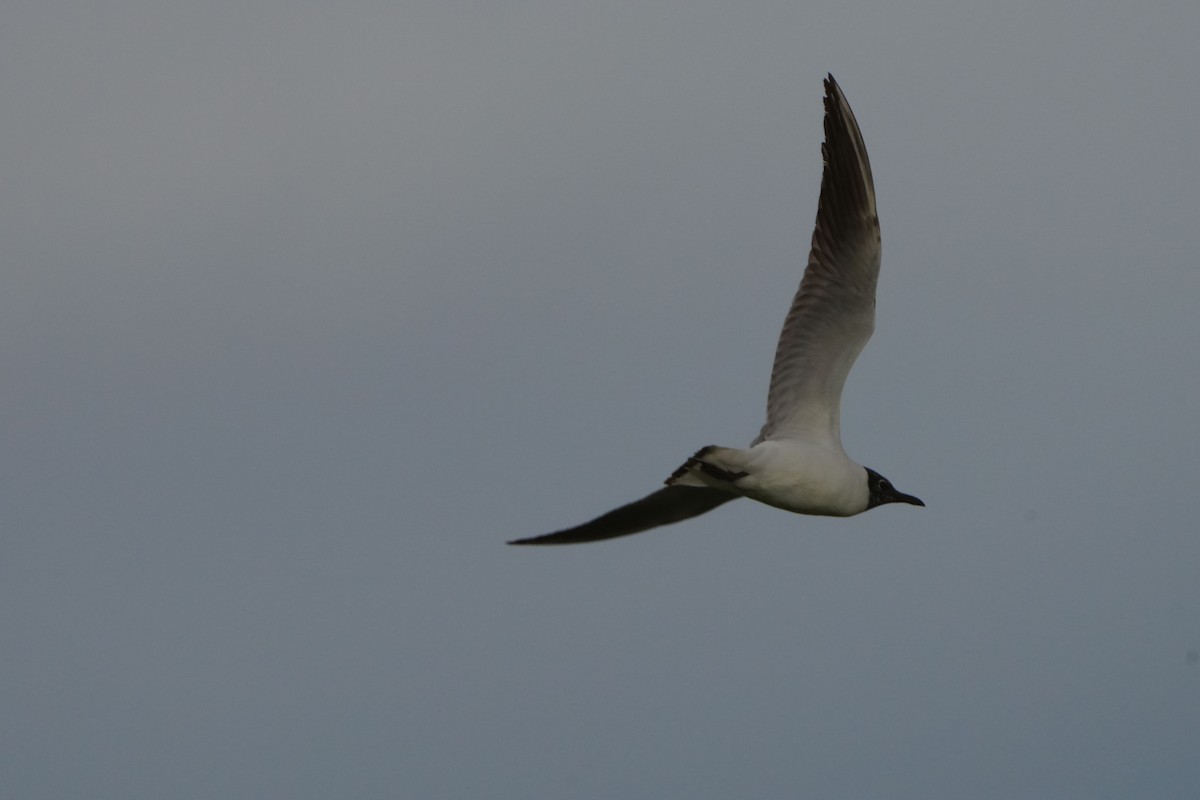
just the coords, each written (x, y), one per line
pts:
(833, 313)
(672, 504)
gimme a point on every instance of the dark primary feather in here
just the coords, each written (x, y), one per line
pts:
(672, 504)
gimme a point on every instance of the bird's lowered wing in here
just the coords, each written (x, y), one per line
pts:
(672, 504)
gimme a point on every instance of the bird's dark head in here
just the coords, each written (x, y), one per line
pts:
(882, 491)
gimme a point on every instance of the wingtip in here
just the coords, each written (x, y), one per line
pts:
(834, 96)
(545, 539)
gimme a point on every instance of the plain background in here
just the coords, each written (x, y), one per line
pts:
(307, 307)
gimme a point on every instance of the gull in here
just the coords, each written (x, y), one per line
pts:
(796, 463)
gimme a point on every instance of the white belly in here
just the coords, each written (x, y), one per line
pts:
(804, 478)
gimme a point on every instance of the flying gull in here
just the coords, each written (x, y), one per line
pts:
(797, 462)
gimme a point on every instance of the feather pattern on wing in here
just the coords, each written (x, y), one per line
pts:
(833, 313)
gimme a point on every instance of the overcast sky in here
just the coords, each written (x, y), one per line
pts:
(308, 307)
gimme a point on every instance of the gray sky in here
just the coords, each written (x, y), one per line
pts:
(309, 307)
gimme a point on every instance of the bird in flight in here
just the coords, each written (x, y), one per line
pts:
(797, 462)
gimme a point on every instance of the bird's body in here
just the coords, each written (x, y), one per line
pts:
(797, 462)
(792, 474)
